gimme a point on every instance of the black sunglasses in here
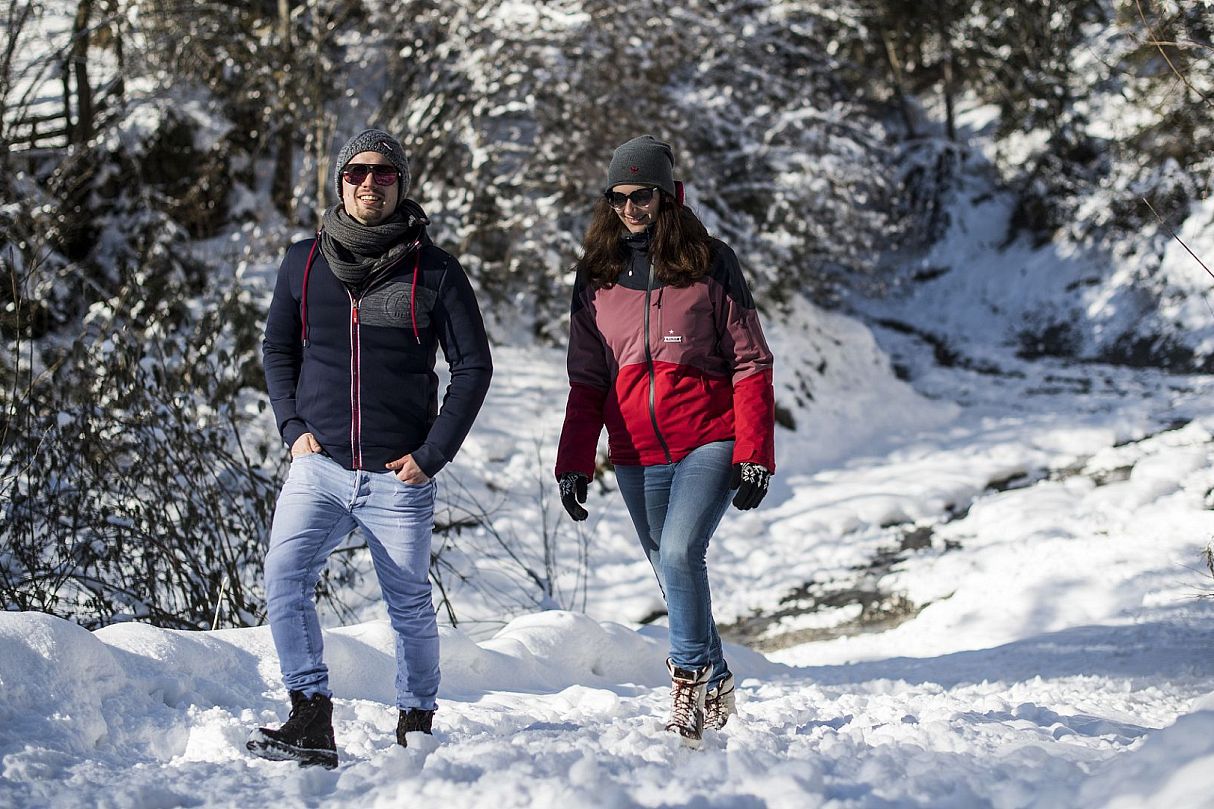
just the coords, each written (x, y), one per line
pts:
(640, 198)
(355, 173)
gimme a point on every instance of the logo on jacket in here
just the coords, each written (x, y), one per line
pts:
(671, 337)
(391, 305)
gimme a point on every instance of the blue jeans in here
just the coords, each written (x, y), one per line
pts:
(675, 508)
(320, 504)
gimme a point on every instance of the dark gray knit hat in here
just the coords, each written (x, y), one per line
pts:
(373, 140)
(642, 161)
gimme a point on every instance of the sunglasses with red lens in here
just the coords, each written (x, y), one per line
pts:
(640, 198)
(355, 173)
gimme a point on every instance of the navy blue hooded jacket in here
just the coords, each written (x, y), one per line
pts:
(356, 368)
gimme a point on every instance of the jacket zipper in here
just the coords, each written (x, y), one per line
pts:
(653, 385)
(356, 426)
(356, 441)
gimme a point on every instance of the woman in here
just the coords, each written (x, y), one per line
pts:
(665, 349)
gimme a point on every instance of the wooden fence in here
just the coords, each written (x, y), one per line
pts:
(53, 130)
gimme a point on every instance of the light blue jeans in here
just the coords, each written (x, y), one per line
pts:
(676, 508)
(320, 504)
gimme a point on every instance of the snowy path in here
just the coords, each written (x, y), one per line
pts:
(152, 718)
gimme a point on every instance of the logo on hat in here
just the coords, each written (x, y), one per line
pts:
(634, 169)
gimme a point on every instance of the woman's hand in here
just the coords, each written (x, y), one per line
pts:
(750, 479)
(573, 491)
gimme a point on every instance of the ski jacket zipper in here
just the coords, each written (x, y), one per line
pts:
(356, 426)
(356, 440)
(653, 385)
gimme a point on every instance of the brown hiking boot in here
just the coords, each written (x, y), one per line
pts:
(687, 687)
(719, 704)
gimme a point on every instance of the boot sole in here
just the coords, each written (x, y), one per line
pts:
(263, 746)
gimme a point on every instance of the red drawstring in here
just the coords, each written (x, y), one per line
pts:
(417, 263)
(303, 298)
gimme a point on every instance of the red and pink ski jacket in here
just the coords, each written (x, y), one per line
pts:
(667, 369)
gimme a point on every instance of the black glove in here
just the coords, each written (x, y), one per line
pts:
(573, 491)
(750, 480)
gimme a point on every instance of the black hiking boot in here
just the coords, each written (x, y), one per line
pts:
(306, 736)
(414, 720)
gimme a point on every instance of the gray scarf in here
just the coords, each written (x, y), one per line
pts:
(357, 252)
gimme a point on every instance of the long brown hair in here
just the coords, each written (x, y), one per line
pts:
(679, 246)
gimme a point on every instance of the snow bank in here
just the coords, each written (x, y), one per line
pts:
(558, 711)
(117, 690)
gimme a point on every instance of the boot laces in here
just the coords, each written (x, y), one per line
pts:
(683, 712)
(303, 712)
(719, 704)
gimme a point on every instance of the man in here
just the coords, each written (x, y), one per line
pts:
(349, 352)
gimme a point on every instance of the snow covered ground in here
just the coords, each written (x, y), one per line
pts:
(1053, 651)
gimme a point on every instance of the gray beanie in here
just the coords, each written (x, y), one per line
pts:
(642, 161)
(373, 140)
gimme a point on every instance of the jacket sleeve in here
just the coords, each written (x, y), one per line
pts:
(589, 382)
(282, 349)
(461, 333)
(740, 337)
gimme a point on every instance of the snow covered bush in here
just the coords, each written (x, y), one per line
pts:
(127, 489)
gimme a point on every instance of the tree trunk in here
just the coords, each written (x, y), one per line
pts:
(324, 128)
(80, 131)
(282, 186)
(950, 63)
(895, 70)
(323, 125)
(112, 9)
(950, 120)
